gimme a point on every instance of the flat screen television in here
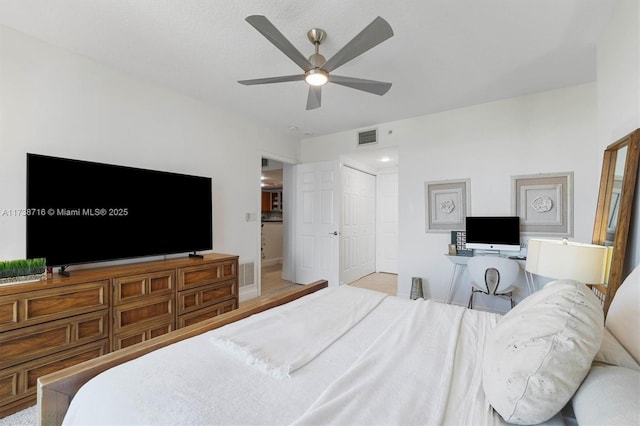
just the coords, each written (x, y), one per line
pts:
(493, 233)
(82, 212)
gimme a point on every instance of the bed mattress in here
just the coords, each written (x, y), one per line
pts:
(400, 362)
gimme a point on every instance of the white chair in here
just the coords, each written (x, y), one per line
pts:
(492, 275)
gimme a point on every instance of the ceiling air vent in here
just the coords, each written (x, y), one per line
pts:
(368, 137)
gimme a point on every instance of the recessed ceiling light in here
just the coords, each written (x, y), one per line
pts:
(384, 159)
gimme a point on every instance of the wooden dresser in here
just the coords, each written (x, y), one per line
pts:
(49, 325)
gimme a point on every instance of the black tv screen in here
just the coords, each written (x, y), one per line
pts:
(81, 211)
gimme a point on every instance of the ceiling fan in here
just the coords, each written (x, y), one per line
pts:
(317, 70)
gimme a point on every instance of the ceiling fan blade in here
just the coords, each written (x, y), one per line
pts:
(267, 80)
(314, 97)
(375, 33)
(370, 86)
(271, 33)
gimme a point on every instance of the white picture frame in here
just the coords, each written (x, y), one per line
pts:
(447, 204)
(544, 203)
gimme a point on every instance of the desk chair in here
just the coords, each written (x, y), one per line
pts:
(492, 275)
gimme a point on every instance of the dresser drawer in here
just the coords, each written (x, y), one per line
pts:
(43, 339)
(206, 313)
(47, 305)
(20, 381)
(122, 340)
(140, 314)
(198, 298)
(136, 287)
(195, 276)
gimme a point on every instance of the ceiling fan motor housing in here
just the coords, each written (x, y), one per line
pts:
(317, 60)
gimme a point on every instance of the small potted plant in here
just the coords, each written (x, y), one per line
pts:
(21, 270)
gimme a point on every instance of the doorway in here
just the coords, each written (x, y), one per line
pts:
(283, 201)
(274, 227)
(336, 232)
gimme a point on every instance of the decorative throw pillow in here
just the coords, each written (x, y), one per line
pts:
(539, 353)
(609, 395)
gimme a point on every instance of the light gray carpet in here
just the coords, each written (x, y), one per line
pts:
(26, 417)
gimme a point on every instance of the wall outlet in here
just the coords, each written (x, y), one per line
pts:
(251, 217)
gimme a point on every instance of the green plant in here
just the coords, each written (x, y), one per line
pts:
(20, 267)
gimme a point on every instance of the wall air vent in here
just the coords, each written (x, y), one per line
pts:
(368, 137)
(245, 276)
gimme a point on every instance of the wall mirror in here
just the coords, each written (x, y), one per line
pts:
(615, 205)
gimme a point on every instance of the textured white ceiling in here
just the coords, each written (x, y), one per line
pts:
(444, 54)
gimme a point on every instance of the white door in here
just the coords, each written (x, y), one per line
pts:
(387, 219)
(317, 222)
(357, 241)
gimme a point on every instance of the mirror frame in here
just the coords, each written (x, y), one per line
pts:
(632, 142)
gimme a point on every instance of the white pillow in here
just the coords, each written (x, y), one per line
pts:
(540, 351)
(611, 352)
(609, 395)
(623, 318)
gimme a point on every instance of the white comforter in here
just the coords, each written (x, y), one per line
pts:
(402, 362)
(409, 375)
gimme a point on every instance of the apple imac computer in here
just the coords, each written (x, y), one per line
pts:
(495, 233)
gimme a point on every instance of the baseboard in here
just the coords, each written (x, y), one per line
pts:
(272, 262)
(247, 293)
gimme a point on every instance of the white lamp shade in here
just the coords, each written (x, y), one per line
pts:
(560, 259)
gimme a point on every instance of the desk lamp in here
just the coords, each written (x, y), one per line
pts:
(561, 259)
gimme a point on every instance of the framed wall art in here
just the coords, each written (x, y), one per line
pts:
(544, 203)
(447, 204)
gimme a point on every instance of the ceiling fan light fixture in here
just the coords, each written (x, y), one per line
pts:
(316, 77)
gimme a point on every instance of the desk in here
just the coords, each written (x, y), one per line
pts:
(461, 261)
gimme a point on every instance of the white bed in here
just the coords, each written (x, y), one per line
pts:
(370, 360)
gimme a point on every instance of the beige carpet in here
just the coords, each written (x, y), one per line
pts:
(380, 281)
(272, 283)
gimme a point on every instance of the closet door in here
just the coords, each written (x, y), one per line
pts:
(387, 223)
(358, 238)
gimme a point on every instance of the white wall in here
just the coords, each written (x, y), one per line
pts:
(618, 73)
(619, 94)
(344, 146)
(56, 103)
(547, 132)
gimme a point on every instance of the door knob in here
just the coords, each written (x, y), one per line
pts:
(333, 233)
